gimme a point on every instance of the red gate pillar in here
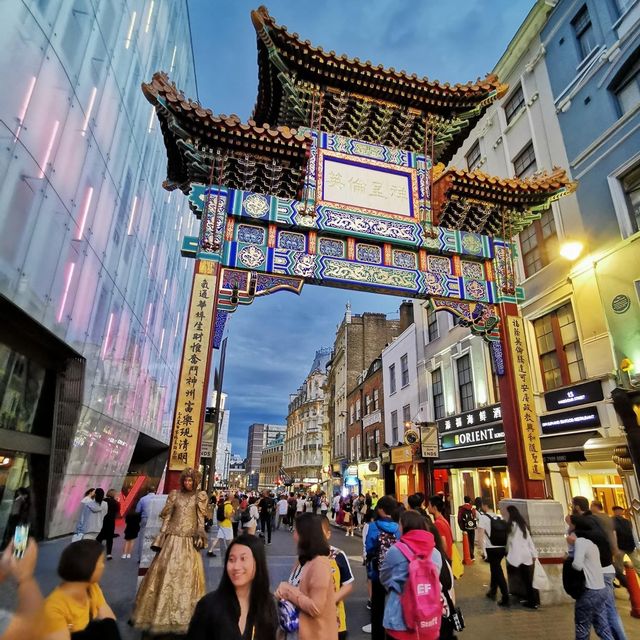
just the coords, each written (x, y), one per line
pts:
(518, 411)
(193, 381)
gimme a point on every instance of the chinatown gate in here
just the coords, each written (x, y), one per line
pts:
(346, 187)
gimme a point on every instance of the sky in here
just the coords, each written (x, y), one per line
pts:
(272, 342)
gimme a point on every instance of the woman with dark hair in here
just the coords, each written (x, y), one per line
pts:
(175, 582)
(92, 516)
(242, 607)
(77, 608)
(522, 554)
(395, 569)
(310, 587)
(108, 531)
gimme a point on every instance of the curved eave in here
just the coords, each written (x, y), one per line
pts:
(279, 51)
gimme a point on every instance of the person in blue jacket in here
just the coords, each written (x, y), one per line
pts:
(382, 534)
(395, 570)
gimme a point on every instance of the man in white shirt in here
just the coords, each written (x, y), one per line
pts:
(494, 553)
(590, 608)
(283, 505)
(300, 504)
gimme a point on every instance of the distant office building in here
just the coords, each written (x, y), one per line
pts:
(271, 464)
(260, 435)
(92, 285)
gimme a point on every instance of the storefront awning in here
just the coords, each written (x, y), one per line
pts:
(563, 447)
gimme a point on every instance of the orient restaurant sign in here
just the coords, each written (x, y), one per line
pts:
(472, 437)
(524, 394)
(191, 387)
(568, 397)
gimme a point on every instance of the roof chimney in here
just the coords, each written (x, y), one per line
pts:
(406, 314)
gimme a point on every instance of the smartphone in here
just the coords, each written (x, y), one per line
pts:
(20, 540)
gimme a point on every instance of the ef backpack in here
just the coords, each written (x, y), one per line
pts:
(421, 599)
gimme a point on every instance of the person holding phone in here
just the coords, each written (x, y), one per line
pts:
(77, 609)
(21, 624)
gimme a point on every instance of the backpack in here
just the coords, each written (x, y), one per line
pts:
(220, 513)
(499, 531)
(386, 540)
(245, 516)
(421, 599)
(469, 523)
(624, 534)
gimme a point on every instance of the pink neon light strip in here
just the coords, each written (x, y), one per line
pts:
(133, 214)
(67, 283)
(25, 106)
(47, 155)
(92, 99)
(105, 346)
(83, 215)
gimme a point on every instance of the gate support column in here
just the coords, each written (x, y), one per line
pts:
(515, 412)
(193, 382)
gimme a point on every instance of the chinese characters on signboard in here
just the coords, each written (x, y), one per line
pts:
(195, 360)
(369, 187)
(470, 419)
(524, 392)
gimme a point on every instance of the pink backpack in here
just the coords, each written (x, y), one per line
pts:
(420, 599)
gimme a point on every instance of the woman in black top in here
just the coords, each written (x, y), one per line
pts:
(108, 532)
(242, 608)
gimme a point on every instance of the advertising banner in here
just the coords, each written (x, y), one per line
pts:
(191, 400)
(524, 392)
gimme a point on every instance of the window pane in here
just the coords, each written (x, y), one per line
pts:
(575, 362)
(524, 164)
(473, 157)
(514, 104)
(631, 185)
(551, 371)
(544, 335)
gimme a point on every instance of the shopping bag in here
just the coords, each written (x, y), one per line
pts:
(540, 579)
(456, 563)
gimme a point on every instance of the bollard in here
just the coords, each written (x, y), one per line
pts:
(466, 552)
(634, 589)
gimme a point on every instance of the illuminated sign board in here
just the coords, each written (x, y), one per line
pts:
(587, 418)
(484, 416)
(472, 437)
(568, 397)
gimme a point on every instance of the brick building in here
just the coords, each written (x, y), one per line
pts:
(270, 464)
(359, 341)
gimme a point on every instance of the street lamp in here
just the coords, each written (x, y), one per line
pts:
(571, 249)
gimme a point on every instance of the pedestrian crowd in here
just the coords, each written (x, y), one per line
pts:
(411, 564)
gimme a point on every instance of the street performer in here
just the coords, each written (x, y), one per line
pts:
(175, 581)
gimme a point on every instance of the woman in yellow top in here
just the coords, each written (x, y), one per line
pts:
(77, 605)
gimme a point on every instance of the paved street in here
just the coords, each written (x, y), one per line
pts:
(483, 618)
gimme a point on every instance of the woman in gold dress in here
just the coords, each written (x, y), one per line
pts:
(175, 581)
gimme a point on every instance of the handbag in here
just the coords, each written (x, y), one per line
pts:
(455, 619)
(288, 616)
(572, 579)
(540, 579)
(347, 518)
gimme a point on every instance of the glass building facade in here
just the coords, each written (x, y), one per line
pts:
(93, 289)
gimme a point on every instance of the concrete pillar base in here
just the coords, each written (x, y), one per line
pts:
(548, 528)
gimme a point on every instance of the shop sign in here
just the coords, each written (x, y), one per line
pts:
(352, 470)
(472, 437)
(385, 457)
(401, 454)
(372, 418)
(206, 449)
(486, 415)
(429, 441)
(585, 393)
(195, 359)
(311, 480)
(524, 394)
(587, 418)
(351, 481)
